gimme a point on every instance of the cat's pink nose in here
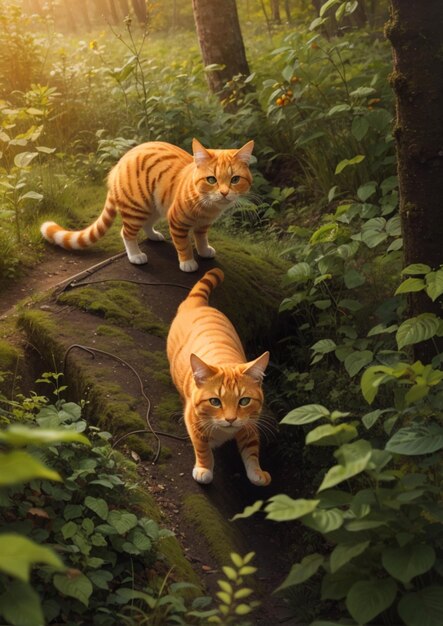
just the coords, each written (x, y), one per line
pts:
(224, 192)
(230, 420)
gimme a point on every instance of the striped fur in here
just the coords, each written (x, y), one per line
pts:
(208, 365)
(156, 180)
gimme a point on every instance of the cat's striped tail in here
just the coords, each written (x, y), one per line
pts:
(77, 239)
(201, 291)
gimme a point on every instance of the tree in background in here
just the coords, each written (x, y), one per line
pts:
(416, 35)
(221, 43)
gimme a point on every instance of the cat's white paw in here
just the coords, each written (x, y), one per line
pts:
(189, 266)
(138, 259)
(259, 477)
(155, 235)
(202, 475)
(207, 253)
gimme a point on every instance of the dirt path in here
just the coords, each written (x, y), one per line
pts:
(184, 503)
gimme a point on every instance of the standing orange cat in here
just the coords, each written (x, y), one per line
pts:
(156, 180)
(221, 391)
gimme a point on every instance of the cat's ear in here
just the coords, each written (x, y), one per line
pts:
(201, 370)
(200, 153)
(256, 368)
(244, 154)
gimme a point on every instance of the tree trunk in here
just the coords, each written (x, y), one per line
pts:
(115, 19)
(140, 11)
(288, 11)
(416, 35)
(124, 8)
(70, 19)
(275, 11)
(85, 13)
(221, 43)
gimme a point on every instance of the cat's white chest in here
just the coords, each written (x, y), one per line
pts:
(220, 435)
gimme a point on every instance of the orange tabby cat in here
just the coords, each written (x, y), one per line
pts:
(222, 393)
(156, 180)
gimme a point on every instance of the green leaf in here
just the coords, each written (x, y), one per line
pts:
(121, 521)
(324, 521)
(282, 508)
(18, 554)
(249, 510)
(69, 529)
(324, 346)
(371, 380)
(31, 195)
(353, 457)
(344, 552)
(327, 5)
(357, 360)
(98, 505)
(18, 435)
(75, 585)
(305, 414)
(330, 435)
(410, 285)
(434, 284)
(424, 608)
(353, 279)
(416, 439)
(346, 162)
(368, 598)
(300, 572)
(336, 586)
(406, 563)
(20, 605)
(300, 272)
(417, 329)
(367, 190)
(18, 467)
(416, 268)
(360, 127)
(23, 159)
(327, 232)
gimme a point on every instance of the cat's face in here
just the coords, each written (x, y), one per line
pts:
(222, 176)
(227, 398)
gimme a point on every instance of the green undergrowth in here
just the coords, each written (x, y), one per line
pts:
(119, 303)
(220, 537)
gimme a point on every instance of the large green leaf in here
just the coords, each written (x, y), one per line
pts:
(18, 554)
(346, 162)
(20, 605)
(409, 285)
(305, 414)
(416, 439)
(300, 572)
(424, 608)
(357, 360)
(368, 598)
(372, 378)
(324, 521)
(417, 329)
(409, 561)
(18, 435)
(353, 458)
(300, 272)
(344, 552)
(335, 586)
(75, 585)
(330, 435)
(98, 505)
(123, 522)
(282, 508)
(434, 284)
(18, 467)
(416, 269)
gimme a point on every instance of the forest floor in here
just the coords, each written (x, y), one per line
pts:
(198, 515)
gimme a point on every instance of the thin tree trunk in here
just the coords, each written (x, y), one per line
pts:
(140, 11)
(221, 43)
(114, 14)
(85, 13)
(288, 11)
(275, 11)
(416, 35)
(124, 8)
(70, 19)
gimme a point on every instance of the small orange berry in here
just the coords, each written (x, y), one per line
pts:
(314, 45)
(289, 93)
(279, 102)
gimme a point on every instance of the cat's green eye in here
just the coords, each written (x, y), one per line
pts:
(211, 180)
(244, 401)
(235, 180)
(215, 402)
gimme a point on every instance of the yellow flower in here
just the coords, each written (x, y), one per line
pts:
(93, 45)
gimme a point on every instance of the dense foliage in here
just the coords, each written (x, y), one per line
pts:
(326, 194)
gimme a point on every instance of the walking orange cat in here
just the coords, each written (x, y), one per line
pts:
(221, 391)
(157, 179)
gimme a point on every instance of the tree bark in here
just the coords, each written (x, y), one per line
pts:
(124, 7)
(275, 11)
(288, 11)
(140, 11)
(114, 12)
(416, 35)
(221, 42)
